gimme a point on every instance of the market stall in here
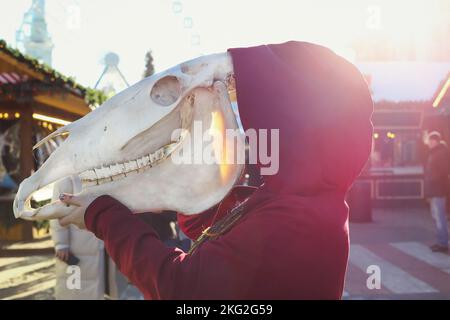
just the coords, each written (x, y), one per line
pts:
(34, 101)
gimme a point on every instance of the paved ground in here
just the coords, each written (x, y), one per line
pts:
(397, 242)
(32, 277)
(24, 276)
(27, 277)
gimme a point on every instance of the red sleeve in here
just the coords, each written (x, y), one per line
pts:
(135, 248)
(158, 271)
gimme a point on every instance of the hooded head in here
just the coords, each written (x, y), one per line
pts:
(322, 107)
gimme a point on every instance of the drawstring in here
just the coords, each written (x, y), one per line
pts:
(220, 227)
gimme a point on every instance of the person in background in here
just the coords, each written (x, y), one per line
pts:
(437, 169)
(99, 275)
(166, 226)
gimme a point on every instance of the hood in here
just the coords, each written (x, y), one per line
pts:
(322, 107)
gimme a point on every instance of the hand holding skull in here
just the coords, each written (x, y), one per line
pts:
(79, 203)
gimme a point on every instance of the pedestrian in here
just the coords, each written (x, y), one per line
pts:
(98, 274)
(437, 169)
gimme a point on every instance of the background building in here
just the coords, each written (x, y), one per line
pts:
(33, 37)
(404, 95)
(34, 101)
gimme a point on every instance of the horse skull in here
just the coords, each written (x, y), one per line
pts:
(124, 148)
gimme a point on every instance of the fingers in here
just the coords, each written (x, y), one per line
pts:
(76, 218)
(70, 199)
(65, 221)
(63, 255)
(78, 204)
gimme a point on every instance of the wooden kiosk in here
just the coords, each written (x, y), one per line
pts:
(34, 101)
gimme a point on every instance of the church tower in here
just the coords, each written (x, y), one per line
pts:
(33, 37)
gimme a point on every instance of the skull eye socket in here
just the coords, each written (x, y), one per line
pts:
(166, 91)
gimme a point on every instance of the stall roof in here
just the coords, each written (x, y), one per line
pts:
(404, 81)
(12, 61)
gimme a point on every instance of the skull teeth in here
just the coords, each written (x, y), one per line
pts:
(88, 175)
(130, 166)
(143, 162)
(119, 171)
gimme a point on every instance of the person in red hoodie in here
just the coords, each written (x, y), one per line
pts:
(287, 239)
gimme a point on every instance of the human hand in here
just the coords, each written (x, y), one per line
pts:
(80, 203)
(63, 254)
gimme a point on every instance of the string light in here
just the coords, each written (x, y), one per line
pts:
(390, 135)
(42, 117)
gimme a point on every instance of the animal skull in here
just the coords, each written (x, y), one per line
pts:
(124, 148)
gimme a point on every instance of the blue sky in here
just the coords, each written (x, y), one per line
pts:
(177, 30)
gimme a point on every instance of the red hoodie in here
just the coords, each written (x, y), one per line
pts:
(292, 242)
